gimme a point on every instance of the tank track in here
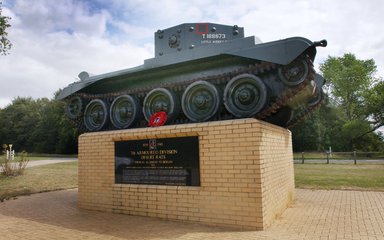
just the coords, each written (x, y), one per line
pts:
(302, 115)
(258, 69)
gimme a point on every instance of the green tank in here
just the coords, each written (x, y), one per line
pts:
(202, 72)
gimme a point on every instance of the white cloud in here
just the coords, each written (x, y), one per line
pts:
(45, 16)
(55, 40)
(45, 57)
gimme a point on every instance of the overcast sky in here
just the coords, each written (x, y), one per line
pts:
(54, 40)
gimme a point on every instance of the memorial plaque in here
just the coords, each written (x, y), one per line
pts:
(164, 161)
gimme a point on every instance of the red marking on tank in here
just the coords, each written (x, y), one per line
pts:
(201, 26)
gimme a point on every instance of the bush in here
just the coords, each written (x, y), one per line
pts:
(10, 166)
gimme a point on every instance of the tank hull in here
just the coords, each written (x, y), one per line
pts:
(272, 81)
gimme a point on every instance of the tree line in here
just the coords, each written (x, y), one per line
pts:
(348, 120)
(37, 126)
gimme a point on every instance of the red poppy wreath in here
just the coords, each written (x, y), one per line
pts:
(158, 119)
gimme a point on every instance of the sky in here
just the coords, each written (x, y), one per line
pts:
(54, 40)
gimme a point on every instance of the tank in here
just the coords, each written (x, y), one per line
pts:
(202, 72)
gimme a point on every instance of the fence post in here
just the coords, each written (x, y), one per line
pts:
(302, 157)
(354, 157)
(327, 157)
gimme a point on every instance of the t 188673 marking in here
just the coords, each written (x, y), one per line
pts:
(214, 36)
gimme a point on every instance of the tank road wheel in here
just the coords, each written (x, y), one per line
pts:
(294, 73)
(200, 101)
(245, 95)
(124, 111)
(160, 99)
(95, 115)
(74, 107)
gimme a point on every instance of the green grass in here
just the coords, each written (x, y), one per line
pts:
(314, 176)
(39, 179)
(339, 155)
(340, 176)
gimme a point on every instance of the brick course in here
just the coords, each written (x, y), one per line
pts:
(246, 175)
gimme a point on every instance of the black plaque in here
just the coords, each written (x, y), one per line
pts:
(164, 161)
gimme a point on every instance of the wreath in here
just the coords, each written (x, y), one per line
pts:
(158, 119)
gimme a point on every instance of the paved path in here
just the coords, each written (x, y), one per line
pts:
(49, 161)
(316, 214)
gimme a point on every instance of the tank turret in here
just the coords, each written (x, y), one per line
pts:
(202, 72)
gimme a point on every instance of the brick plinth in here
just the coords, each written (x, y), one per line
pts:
(246, 175)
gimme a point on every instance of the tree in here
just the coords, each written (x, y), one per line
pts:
(5, 44)
(374, 106)
(53, 133)
(348, 80)
(38, 126)
(17, 122)
(354, 90)
(307, 135)
(318, 131)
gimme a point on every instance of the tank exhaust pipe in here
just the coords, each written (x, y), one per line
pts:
(321, 43)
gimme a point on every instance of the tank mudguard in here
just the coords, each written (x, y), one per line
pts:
(281, 52)
(319, 80)
(72, 88)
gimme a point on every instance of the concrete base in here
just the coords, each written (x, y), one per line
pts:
(246, 175)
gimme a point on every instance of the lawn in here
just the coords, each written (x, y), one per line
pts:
(340, 176)
(59, 176)
(39, 179)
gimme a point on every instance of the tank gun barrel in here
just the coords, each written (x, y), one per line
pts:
(321, 43)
